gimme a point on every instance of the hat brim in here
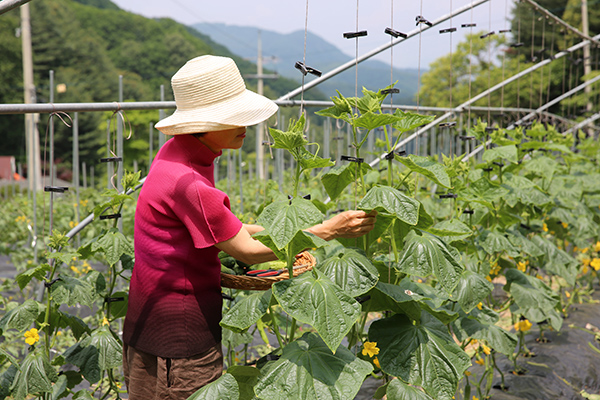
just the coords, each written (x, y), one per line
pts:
(246, 109)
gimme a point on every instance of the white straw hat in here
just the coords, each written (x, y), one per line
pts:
(211, 96)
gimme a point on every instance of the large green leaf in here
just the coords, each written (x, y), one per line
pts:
(308, 369)
(350, 270)
(38, 273)
(22, 316)
(398, 390)
(390, 201)
(290, 139)
(425, 255)
(409, 298)
(114, 244)
(72, 291)
(309, 161)
(525, 245)
(342, 109)
(339, 177)
(423, 354)
(370, 120)
(451, 230)
(95, 353)
(283, 219)
(410, 120)
(508, 153)
(472, 288)
(483, 191)
(246, 377)
(35, 376)
(77, 325)
(524, 191)
(427, 167)
(543, 166)
(477, 326)
(494, 242)
(226, 387)
(319, 302)
(557, 261)
(247, 311)
(531, 295)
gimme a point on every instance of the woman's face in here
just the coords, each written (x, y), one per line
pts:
(228, 139)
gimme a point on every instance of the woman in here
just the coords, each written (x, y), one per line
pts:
(171, 334)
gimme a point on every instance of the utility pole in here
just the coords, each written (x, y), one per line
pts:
(34, 176)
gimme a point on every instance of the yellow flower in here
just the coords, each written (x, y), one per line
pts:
(485, 349)
(479, 361)
(585, 269)
(521, 266)
(586, 262)
(32, 336)
(597, 247)
(376, 362)
(545, 227)
(370, 348)
(83, 203)
(480, 305)
(468, 373)
(488, 278)
(583, 251)
(379, 240)
(475, 398)
(105, 321)
(523, 325)
(567, 294)
(76, 270)
(539, 276)
(595, 264)
(564, 225)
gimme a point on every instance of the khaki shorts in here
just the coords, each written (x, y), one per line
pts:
(150, 377)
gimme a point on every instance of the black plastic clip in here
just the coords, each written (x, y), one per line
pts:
(55, 189)
(467, 211)
(448, 30)
(338, 138)
(525, 227)
(421, 20)
(111, 159)
(388, 91)
(52, 282)
(490, 129)
(498, 164)
(395, 33)
(488, 169)
(352, 159)
(350, 35)
(307, 197)
(362, 299)
(515, 45)
(110, 216)
(113, 299)
(448, 196)
(447, 124)
(463, 137)
(307, 70)
(487, 35)
(472, 25)
(505, 31)
(267, 143)
(226, 296)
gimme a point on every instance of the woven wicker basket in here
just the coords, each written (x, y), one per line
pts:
(304, 262)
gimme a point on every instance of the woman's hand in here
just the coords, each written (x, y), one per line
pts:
(348, 224)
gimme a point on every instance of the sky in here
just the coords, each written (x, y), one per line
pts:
(330, 19)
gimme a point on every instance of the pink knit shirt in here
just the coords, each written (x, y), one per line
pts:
(175, 291)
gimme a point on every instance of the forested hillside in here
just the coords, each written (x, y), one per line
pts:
(89, 44)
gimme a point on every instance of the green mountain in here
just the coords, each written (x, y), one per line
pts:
(88, 44)
(281, 51)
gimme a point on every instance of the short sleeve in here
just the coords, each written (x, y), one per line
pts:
(206, 213)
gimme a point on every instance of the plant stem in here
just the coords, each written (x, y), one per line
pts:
(276, 327)
(292, 332)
